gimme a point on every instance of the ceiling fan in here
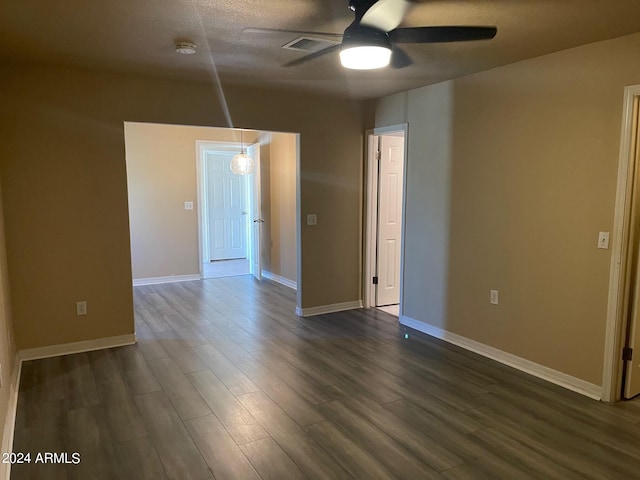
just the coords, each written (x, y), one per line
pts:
(371, 40)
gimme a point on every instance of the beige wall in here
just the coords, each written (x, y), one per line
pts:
(265, 194)
(282, 202)
(161, 176)
(65, 189)
(428, 183)
(65, 199)
(512, 174)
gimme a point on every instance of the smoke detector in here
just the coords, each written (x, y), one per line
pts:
(185, 48)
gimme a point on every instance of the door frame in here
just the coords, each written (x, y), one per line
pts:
(371, 211)
(298, 226)
(617, 307)
(253, 199)
(203, 146)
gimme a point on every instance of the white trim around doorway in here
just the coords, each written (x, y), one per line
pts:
(370, 224)
(615, 325)
(203, 146)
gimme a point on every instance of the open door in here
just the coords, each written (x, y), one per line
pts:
(391, 176)
(255, 214)
(631, 353)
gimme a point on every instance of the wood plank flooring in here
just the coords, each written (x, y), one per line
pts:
(227, 383)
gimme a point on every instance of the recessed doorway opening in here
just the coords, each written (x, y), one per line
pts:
(167, 204)
(621, 378)
(228, 241)
(384, 219)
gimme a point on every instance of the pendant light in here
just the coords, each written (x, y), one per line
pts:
(242, 164)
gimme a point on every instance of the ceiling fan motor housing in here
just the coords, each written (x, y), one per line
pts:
(359, 35)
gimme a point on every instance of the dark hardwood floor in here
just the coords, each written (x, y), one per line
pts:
(227, 383)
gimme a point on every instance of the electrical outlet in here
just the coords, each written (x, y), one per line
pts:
(494, 297)
(188, 205)
(81, 308)
(312, 219)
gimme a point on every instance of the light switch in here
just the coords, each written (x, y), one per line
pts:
(494, 297)
(312, 219)
(603, 240)
(188, 205)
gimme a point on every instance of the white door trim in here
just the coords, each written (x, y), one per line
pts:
(298, 227)
(371, 220)
(615, 326)
(255, 220)
(370, 226)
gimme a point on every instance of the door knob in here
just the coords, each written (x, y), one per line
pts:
(259, 220)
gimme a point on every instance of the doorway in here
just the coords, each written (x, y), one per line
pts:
(386, 165)
(621, 379)
(248, 224)
(230, 213)
(164, 186)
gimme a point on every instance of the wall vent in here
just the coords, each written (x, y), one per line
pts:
(309, 44)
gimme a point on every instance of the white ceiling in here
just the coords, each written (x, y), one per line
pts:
(139, 35)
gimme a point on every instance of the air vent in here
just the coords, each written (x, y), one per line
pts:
(309, 44)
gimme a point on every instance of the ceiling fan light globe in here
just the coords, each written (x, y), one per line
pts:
(365, 57)
(242, 164)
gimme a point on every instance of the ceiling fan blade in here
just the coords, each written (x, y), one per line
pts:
(312, 56)
(441, 34)
(385, 15)
(400, 58)
(252, 30)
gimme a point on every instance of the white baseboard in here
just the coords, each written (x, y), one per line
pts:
(322, 309)
(10, 417)
(279, 279)
(562, 379)
(45, 352)
(139, 282)
(77, 347)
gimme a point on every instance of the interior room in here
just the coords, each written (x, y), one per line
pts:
(175, 210)
(510, 256)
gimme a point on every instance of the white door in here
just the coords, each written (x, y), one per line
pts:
(632, 361)
(390, 183)
(255, 214)
(632, 380)
(632, 365)
(226, 208)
